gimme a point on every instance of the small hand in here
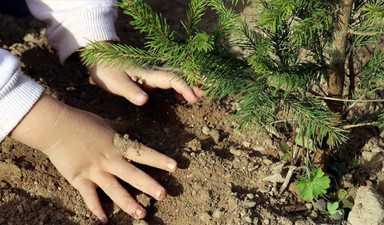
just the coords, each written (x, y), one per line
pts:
(81, 147)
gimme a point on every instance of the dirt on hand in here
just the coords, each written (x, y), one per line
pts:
(124, 144)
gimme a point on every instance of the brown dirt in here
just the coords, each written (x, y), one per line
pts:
(221, 170)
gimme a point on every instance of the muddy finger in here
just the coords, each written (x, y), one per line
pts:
(137, 152)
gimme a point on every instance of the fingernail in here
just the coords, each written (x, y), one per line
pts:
(160, 194)
(172, 166)
(142, 97)
(140, 213)
(103, 219)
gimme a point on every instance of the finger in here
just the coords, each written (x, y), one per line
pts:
(138, 179)
(87, 190)
(117, 82)
(144, 155)
(165, 80)
(130, 90)
(198, 92)
(181, 87)
(120, 196)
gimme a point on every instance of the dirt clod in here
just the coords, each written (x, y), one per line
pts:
(124, 144)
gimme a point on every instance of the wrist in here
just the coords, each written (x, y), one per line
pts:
(37, 127)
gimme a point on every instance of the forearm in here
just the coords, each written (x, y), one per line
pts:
(38, 126)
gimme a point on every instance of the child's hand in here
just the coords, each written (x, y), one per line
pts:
(123, 83)
(81, 147)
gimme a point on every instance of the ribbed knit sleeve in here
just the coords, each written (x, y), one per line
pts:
(71, 24)
(18, 93)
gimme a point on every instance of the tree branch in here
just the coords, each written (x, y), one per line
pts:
(365, 33)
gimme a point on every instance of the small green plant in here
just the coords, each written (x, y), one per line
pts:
(313, 185)
(334, 211)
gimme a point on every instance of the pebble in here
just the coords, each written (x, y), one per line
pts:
(309, 206)
(259, 148)
(2, 220)
(205, 217)
(216, 214)
(267, 162)
(206, 130)
(249, 204)
(313, 215)
(248, 219)
(237, 164)
(215, 135)
(247, 144)
(235, 151)
(266, 221)
(20, 209)
(251, 196)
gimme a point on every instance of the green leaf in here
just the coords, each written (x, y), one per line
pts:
(334, 211)
(314, 186)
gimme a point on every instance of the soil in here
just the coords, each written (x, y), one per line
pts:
(221, 172)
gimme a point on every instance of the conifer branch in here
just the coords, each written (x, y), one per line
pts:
(365, 33)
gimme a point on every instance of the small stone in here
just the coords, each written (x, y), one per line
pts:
(266, 221)
(372, 160)
(20, 209)
(248, 219)
(247, 144)
(259, 148)
(251, 196)
(347, 180)
(206, 130)
(267, 162)
(249, 204)
(216, 214)
(309, 206)
(205, 217)
(235, 151)
(313, 215)
(237, 164)
(255, 220)
(368, 207)
(2, 220)
(215, 135)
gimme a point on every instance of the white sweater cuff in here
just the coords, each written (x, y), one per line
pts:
(17, 97)
(95, 24)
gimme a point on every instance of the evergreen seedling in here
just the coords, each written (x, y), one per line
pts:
(299, 67)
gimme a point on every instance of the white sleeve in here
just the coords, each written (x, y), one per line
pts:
(18, 93)
(71, 24)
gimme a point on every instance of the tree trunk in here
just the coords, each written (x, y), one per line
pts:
(338, 56)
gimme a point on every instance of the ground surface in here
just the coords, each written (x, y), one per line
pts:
(220, 180)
